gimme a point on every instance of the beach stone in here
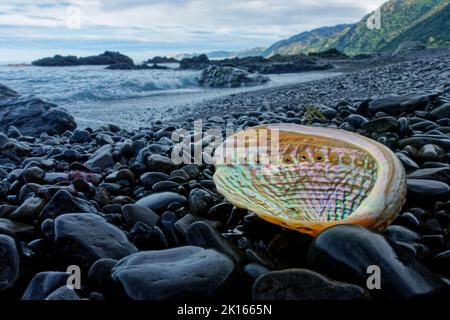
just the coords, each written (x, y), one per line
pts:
(403, 126)
(383, 124)
(63, 293)
(200, 201)
(407, 162)
(220, 211)
(255, 270)
(441, 112)
(6, 210)
(99, 277)
(124, 174)
(356, 120)
(328, 112)
(203, 235)
(33, 175)
(303, 284)
(83, 238)
(192, 170)
(431, 152)
(103, 139)
(442, 262)
(29, 210)
(427, 189)
(55, 177)
(148, 179)
(180, 175)
(395, 105)
(80, 136)
(165, 186)
(439, 174)
(43, 284)
(128, 148)
(158, 202)
(9, 262)
(14, 228)
(102, 196)
(3, 140)
(182, 225)
(399, 233)
(408, 220)
(345, 252)
(158, 148)
(146, 237)
(420, 141)
(102, 158)
(133, 214)
(160, 163)
(63, 202)
(182, 273)
(13, 132)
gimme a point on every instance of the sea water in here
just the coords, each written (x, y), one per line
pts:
(130, 98)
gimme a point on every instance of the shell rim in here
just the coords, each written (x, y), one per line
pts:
(386, 196)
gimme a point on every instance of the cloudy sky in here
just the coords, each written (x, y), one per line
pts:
(144, 28)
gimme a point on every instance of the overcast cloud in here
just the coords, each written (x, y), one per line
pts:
(143, 28)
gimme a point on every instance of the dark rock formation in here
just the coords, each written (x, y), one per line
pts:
(229, 77)
(198, 62)
(106, 58)
(330, 54)
(159, 59)
(275, 64)
(32, 116)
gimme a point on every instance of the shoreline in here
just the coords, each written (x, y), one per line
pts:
(321, 91)
(140, 112)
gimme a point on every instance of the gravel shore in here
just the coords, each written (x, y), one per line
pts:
(112, 203)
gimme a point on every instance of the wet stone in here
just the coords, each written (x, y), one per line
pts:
(179, 273)
(303, 284)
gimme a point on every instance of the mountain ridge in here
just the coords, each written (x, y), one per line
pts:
(427, 21)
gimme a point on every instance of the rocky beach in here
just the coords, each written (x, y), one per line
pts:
(111, 201)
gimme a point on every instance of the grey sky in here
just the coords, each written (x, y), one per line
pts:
(143, 28)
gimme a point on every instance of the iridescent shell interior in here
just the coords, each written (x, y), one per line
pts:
(309, 178)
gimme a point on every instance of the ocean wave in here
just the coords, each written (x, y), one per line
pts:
(134, 88)
(85, 84)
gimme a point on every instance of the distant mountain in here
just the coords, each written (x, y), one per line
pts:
(427, 21)
(215, 55)
(223, 54)
(309, 41)
(398, 17)
(252, 52)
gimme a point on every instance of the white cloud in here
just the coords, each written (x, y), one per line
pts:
(234, 23)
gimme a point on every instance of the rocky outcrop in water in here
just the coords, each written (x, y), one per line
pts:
(229, 77)
(159, 59)
(106, 58)
(132, 66)
(32, 116)
(197, 63)
(273, 65)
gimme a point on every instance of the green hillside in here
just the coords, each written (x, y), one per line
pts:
(397, 17)
(427, 21)
(433, 31)
(310, 41)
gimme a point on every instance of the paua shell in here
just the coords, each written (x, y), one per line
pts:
(308, 179)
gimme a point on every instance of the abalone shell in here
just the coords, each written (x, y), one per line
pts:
(309, 178)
